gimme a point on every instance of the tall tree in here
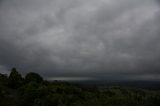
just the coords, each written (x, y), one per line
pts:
(15, 79)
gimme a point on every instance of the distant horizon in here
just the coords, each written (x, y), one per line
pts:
(85, 78)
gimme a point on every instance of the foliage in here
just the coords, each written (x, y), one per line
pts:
(34, 91)
(30, 77)
(3, 79)
(15, 79)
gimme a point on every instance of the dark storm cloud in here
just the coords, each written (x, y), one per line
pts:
(89, 39)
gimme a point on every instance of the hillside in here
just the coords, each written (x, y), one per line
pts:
(32, 90)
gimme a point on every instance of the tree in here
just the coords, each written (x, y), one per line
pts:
(33, 77)
(15, 79)
(3, 79)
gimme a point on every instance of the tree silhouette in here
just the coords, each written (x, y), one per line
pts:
(3, 79)
(33, 77)
(15, 79)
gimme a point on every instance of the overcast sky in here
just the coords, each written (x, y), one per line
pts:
(83, 39)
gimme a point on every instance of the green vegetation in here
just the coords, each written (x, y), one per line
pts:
(34, 91)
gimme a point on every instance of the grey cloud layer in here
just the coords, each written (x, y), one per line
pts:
(91, 38)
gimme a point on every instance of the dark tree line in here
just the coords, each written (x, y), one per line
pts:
(32, 90)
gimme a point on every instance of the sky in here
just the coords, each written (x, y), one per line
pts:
(81, 39)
